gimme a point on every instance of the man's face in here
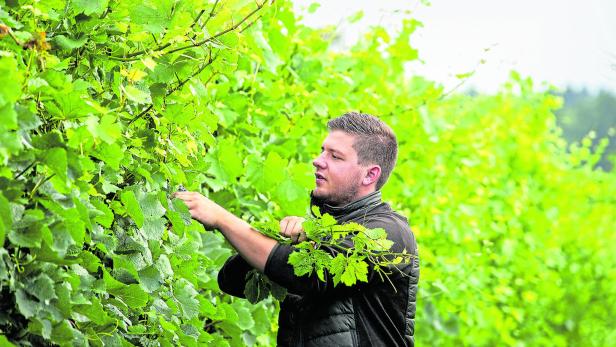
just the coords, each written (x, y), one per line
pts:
(338, 175)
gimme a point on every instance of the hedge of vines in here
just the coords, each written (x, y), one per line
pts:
(108, 106)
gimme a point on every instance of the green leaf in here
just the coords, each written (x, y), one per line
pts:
(56, 160)
(278, 292)
(229, 159)
(91, 262)
(132, 295)
(5, 342)
(154, 228)
(72, 105)
(26, 237)
(68, 43)
(327, 220)
(104, 213)
(63, 334)
(256, 288)
(185, 294)
(42, 287)
(356, 17)
(90, 7)
(245, 321)
(40, 327)
(262, 321)
(228, 312)
(179, 216)
(153, 20)
(265, 175)
(6, 219)
(337, 267)
(106, 128)
(61, 237)
(164, 266)
(112, 154)
(313, 7)
(154, 225)
(465, 75)
(360, 270)
(94, 311)
(10, 89)
(27, 307)
(150, 205)
(302, 262)
(150, 279)
(132, 207)
(27, 119)
(136, 95)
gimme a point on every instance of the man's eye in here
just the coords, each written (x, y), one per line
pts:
(335, 156)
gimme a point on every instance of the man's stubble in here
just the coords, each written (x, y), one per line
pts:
(339, 197)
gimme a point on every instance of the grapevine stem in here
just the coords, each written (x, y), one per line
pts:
(210, 15)
(231, 28)
(180, 85)
(23, 87)
(210, 324)
(40, 182)
(10, 32)
(132, 56)
(26, 169)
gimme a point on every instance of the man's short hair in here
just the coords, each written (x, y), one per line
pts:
(375, 142)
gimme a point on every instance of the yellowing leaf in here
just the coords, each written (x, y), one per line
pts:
(133, 75)
(149, 63)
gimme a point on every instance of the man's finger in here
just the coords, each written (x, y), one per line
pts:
(191, 204)
(180, 195)
(283, 226)
(293, 226)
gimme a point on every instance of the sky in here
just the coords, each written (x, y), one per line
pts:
(555, 42)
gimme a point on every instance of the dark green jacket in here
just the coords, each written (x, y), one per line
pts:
(315, 313)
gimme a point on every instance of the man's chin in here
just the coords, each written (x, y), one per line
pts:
(317, 193)
(318, 198)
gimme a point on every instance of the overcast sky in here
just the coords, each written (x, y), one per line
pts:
(561, 42)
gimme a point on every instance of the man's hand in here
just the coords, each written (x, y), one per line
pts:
(291, 227)
(203, 209)
(253, 246)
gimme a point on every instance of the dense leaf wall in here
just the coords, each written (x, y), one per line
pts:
(107, 106)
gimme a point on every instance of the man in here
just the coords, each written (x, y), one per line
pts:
(356, 159)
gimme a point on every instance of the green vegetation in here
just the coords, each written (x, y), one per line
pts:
(590, 117)
(108, 106)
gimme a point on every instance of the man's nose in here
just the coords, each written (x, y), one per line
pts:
(318, 162)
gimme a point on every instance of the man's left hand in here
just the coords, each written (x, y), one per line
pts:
(291, 227)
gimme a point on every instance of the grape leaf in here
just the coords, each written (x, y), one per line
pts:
(90, 7)
(132, 207)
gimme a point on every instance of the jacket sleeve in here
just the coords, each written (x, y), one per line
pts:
(232, 276)
(280, 271)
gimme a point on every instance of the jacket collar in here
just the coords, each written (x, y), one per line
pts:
(353, 209)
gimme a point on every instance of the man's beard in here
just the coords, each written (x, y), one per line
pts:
(337, 198)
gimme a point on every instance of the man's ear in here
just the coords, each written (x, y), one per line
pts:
(372, 175)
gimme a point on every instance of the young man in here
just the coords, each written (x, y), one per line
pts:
(356, 159)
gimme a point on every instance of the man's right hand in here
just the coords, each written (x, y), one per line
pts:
(203, 209)
(291, 227)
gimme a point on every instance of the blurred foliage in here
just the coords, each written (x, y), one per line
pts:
(108, 106)
(592, 116)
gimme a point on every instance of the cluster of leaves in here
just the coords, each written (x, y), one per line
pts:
(590, 117)
(97, 102)
(357, 249)
(109, 105)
